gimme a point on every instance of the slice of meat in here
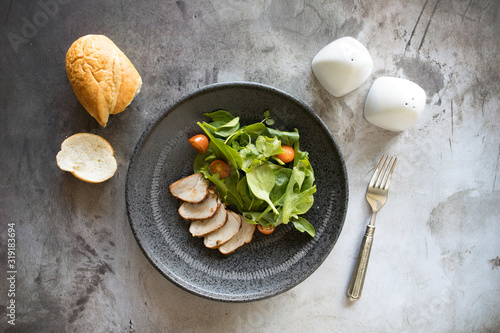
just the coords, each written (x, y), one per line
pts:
(193, 188)
(200, 228)
(222, 235)
(244, 235)
(202, 210)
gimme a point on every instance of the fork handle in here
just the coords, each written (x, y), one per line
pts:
(359, 272)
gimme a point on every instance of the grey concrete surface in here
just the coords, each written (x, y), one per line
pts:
(435, 261)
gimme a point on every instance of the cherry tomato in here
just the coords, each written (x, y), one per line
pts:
(199, 142)
(220, 167)
(288, 155)
(266, 230)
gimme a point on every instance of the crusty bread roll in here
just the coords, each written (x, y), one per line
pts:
(88, 157)
(103, 78)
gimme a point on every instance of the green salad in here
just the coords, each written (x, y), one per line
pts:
(259, 170)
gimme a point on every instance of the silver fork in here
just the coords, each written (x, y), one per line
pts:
(376, 195)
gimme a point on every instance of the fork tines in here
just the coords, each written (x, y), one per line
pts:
(382, 176)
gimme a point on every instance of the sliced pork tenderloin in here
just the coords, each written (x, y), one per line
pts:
(202, 210)
(244, 236)
(200, 228)
(193, 188)
(222, 235)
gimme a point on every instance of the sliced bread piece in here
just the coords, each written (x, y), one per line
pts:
(88, 157)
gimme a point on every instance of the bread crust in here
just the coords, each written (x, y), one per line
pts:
(103, 78)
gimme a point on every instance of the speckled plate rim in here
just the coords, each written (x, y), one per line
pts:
(149, 130)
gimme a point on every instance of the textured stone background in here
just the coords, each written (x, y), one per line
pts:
(435, 261)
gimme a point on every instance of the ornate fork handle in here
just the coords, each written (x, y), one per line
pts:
(359, 273)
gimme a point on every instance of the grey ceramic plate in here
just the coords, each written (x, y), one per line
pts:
(269, 265)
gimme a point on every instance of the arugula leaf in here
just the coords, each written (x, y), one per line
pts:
(267, 118)
(259, 218)
(286, 138)
(248, 200)
(268, 147)
(302, 225)
(223, 123)
(249, 155)
(298, 199)
(281, 179)
(260, 180)
(219, 118)
(228, 128)
(248, 132)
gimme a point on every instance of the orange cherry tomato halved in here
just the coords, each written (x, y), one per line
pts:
(265, 230)
(220, 167)
(288, 155)
(199, 142)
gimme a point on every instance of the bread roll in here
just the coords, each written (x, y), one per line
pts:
(88, 157)
(103, 78)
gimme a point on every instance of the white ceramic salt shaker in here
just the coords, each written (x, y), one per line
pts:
(342, 66)
(394, 104)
